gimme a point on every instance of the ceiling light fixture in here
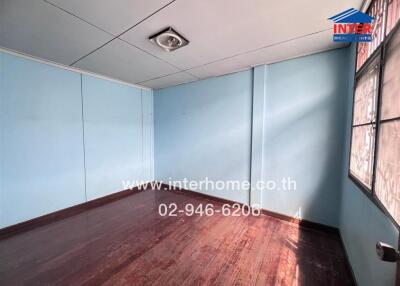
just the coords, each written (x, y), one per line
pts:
(168, 40)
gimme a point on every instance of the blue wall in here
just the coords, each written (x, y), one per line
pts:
(203, 129)
(301, 119)
(148, 135)
(287, 119)
(304, 113)
(43, 135)
(41, 145)
(113, 135)
(362, 224)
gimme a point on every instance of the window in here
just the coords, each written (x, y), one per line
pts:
(364, 125)
(388, 161)
(376, 10)
(393, 14)
(375, 140)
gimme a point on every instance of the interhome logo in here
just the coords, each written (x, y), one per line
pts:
(352, 26)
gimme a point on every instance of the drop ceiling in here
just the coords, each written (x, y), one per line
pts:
(110, 37)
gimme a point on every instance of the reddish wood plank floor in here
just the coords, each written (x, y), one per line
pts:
(127, 242)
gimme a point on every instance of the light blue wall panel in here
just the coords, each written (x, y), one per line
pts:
(303, 135)
(2, 219)
(203, 129)
(41, 140)
(257, 133)
(148, 135)
(362, 224)
(113, 135)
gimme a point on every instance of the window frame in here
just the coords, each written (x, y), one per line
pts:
(363, 69)
(380, 53)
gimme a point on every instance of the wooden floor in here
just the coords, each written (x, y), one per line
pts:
(127, 242)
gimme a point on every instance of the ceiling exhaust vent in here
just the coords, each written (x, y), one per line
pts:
(168, 40)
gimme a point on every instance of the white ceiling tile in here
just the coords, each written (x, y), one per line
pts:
(39, 29)
(224, 28)
(304, 46)
(225, 35)
(217, 68)
(295, 48)
(122, 61)
(169, 80)
(113, 16)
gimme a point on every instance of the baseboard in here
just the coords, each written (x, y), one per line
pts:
(64, 213)
(301, 222)
(67, 212)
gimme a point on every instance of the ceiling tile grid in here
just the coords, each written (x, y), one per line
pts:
(123, 61)
(220, 29)
(217, 68)
(172, 79)
(111, 37)
(114, 16)
(41, 30)
(302, 46)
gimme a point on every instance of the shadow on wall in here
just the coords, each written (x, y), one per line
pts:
(303, 135)
(204, 129)
(304, 131)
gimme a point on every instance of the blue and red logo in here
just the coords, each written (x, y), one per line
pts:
(352, 26)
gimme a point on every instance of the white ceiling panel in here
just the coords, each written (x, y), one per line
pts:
(230, 65)
(291, 49)
(304, 46)
(225, 35)
(39, 29)
(113, 16)
(122, 61)
(219, 29)
(169, 80)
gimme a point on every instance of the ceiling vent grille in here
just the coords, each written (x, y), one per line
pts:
(169, 40)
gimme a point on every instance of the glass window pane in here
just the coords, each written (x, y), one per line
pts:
(391, 79)
(365, 96)
(376, 10)
(362, 54)
(393, 14)
(362, 153)
(387, 185)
